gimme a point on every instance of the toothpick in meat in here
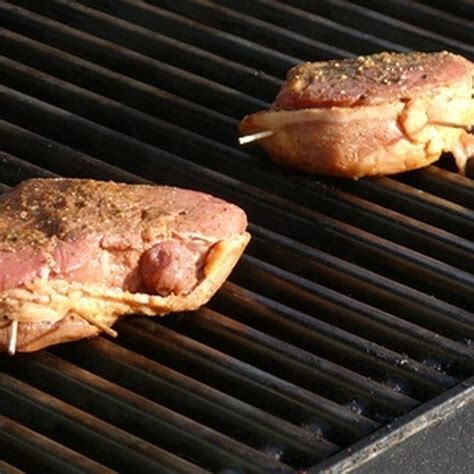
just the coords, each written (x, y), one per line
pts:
(255, 136)
(468, 128)
(13, 337)
(98, 324)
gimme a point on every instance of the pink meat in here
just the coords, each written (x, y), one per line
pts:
(369, 80)
(137, 238)
(171, 267)
(20, 267)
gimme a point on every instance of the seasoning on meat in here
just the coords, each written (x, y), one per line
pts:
(75, 255)
(372, 115)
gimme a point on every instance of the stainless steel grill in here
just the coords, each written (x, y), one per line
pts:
(350, 317)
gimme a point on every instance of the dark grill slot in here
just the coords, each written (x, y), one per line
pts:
(144, 418)
(220, 42)
(254, 29)
(361, 283)
(230, 375)
(326, 341)
(8, 469)
(442, 183)
(462, 8)
(134, 93)
(353, 303)
(296, 365)
(37, 453)
(345, 312)
(83, 432)
(384, 26)
(157, 46)
(426, 16)
(198, 401)
(136, 65)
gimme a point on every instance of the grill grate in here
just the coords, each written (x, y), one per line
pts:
(353, 304)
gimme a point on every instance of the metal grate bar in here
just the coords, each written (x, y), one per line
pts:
(384, 26)
(9, 469)
(157, 46)
(425, 16)
(137, 65)
(326, 340)
(141, 417)
(82, 432)
(259, 388)
(440, 182)
(249, 27)
(462, 8)
(312, 25)
(37, 453)
(196, 400)
(129, 91)
(297, 365)
(219, 41)
(408, 200)
(42, 151)
(15, 169)
(362, 284)
(406, 338)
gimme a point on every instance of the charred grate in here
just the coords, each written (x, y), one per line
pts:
(353, 305)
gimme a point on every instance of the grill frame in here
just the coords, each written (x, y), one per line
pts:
(424, 417)
(374, 231)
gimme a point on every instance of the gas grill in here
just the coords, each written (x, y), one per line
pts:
(348, 325)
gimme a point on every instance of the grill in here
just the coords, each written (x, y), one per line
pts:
(348, 324)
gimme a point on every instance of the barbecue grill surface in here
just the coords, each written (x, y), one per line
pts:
(349, 319)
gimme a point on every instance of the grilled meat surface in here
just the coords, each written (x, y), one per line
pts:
(371, 115)
(72, 250)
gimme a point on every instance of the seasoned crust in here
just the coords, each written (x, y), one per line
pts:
(38, 212)
(372, 80)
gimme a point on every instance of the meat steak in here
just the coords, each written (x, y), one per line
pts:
(372, 115)
(77, 254)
